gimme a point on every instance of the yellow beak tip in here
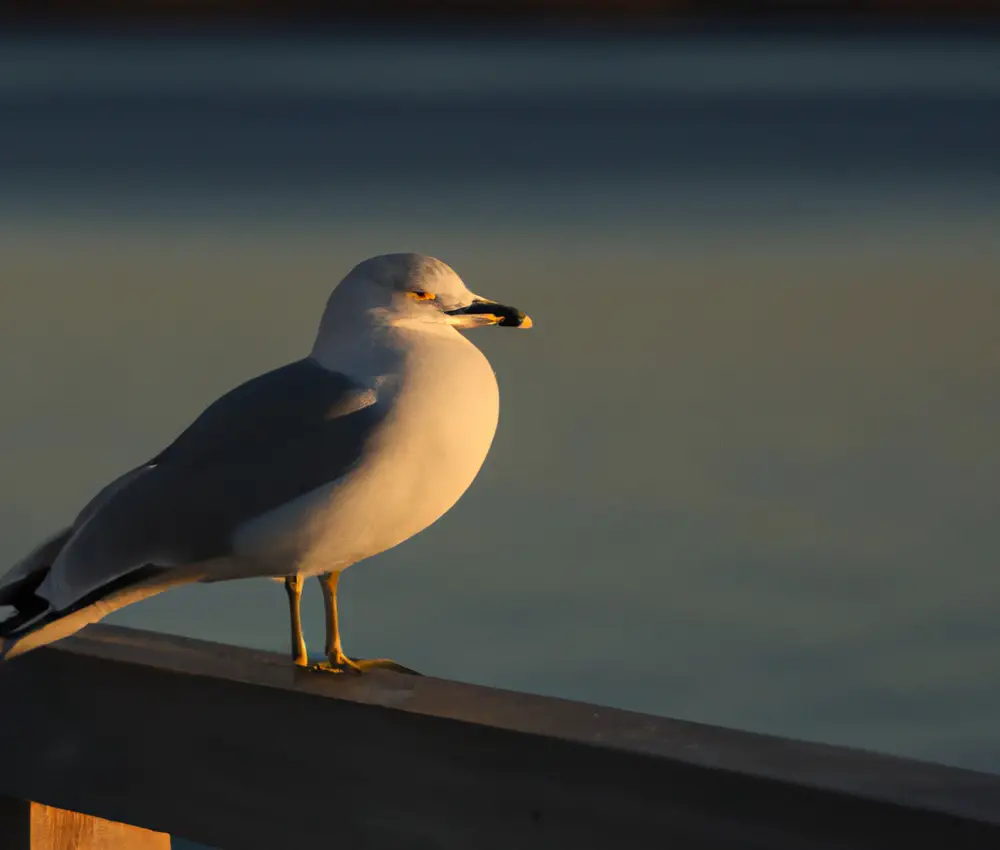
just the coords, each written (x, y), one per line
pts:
(526, 323)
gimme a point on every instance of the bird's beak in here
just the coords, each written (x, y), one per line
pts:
(482, 311)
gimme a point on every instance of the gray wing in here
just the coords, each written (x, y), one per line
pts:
(263, 444)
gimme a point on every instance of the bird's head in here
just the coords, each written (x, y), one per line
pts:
(416, 290)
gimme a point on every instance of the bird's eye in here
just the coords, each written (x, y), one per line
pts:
(420, 295)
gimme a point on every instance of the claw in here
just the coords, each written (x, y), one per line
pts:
(344, 666)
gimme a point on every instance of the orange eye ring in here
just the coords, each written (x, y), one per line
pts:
(420, 295)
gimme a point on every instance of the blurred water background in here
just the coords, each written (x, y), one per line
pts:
(746, 471)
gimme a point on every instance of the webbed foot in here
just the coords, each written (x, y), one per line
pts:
(355, 666)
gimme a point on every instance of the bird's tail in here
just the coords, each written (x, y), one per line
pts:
(32, 568)
(18, 586)
(21, 634)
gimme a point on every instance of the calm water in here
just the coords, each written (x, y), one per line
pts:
(747, 462)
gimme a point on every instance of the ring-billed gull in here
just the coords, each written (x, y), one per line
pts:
(300, 472)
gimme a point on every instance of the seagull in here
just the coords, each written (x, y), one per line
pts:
(302, 471)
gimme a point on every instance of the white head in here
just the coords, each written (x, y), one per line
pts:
(411, 290)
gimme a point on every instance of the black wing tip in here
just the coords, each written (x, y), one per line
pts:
(28, 605)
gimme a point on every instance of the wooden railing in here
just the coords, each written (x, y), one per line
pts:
(237, 749)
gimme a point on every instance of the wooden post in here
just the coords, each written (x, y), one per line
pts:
(34, 826)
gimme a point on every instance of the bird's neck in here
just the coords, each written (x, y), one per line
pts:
(380, 352)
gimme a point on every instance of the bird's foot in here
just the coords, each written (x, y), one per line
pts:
(353, 666)
(384, 664)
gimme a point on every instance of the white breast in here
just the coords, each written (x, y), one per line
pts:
(443, 406)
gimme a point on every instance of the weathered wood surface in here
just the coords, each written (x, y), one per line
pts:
(238, 749)
(35, 826)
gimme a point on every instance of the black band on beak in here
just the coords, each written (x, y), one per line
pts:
(510, 317)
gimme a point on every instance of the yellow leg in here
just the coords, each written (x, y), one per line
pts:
(293, 586)
(336, 660)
